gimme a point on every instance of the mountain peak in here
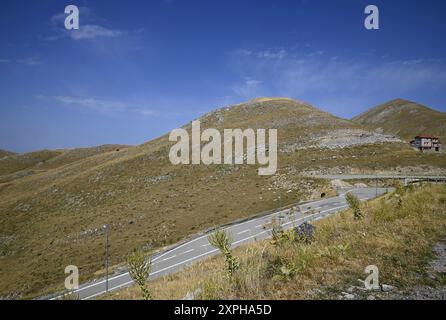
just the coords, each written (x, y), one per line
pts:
(399, 102)
(404, 118)
(267, 99)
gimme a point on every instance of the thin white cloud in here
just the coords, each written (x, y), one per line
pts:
(273, 54)
(30, 61)
(248, 88)
(338, 83)
(92, 31)
(90, 28)
(58, 19)
(84, 12)
(92, 103)
(103, 105)
(244, 52)
(316, 53)
(264, 54)
(145, 112)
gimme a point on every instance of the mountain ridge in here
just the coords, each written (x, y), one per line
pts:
(405, 119)
(53, 217)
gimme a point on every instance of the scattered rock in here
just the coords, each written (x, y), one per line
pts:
(193, 295)
(305, 232)
(439, 264)
(387, 288)
(25, 207)
(360, 185)
(348, 296)
(339, 184)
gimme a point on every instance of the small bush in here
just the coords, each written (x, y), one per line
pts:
(221, 240)
(355, 204)
(277, 234)
(139, 269)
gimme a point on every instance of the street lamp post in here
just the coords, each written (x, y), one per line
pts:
(376, 185)
(376, 175)
(106, 257)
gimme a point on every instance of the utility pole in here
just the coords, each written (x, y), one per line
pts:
(376, 185)
(106, 257)
(376, 174)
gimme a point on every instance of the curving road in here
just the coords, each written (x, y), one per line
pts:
(242, 232)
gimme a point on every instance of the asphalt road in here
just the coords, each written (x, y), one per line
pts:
(243, 232)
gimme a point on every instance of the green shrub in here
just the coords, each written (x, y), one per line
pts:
(355, 204)
(222, 240)
(139, 269)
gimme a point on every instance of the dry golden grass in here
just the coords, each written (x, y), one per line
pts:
(405, 119)
(397, 236)
(53, 217)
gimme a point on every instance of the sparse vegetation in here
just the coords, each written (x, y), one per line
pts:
(405, 119)
(355, 204)
(52, 211)
(139, 269)
(222, 240)
(70, 296)
(277, 232)
(398, 240)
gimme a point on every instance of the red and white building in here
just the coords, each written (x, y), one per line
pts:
(425, 142)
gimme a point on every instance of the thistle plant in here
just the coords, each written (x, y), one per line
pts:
(355, 204)
(222, 240)
(139, 269)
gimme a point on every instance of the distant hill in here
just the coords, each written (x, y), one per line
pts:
(19, 162)
(4, 153)
(45, 159)
(54, 217)
(405, 119)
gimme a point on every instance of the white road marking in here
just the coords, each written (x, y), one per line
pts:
(188, 251)
(169, 257)
(215, 250)
(207, 253)
(244, 231)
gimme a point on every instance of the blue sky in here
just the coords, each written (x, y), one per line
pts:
(138, 69)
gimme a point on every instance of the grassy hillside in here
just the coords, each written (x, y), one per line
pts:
(405, 119)
(396, 234)
(18, 165)
(4, 153)
(53, 217)
(17, 162)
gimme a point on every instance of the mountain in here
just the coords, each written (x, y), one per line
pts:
(47, 159)
(55, 216)
(404, 118)
(4, 153)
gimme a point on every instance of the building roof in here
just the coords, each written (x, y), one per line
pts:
(426, 137)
